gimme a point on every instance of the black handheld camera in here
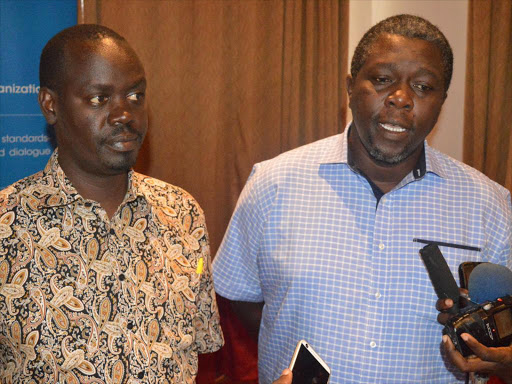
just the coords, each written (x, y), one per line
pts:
(490, 323)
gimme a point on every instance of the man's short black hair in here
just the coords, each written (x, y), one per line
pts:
(413, 27)
(53, 56)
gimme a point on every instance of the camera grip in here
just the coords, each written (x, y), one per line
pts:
(440, 275)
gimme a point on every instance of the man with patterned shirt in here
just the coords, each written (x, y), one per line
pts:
(324, 242)
(104, 272)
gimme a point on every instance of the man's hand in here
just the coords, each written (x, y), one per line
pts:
(494, 361)
(286, 377)
(443, 305)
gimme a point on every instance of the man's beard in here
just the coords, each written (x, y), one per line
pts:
(121, 162)
(386, 159)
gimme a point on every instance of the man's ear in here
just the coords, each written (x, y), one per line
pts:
(350, 83)
(350, 88)
(47, 101)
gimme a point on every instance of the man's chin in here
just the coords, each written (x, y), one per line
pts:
(388, 159)
(120, 164)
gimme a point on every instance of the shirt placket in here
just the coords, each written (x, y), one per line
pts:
(377, 295)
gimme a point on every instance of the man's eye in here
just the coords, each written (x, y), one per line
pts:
(98, 100)
(422, 87)
(382, 80)
(136, 96)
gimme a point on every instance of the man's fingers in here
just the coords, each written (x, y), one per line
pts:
(442, 318)
(480, 350)
(472, 364)
(460, 362)
(499, 355)
(444, 304)
(286, 377)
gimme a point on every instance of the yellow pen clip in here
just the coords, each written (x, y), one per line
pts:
(200, 266)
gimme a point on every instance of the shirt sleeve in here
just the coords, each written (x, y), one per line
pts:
(209, 337)
(498, 222)
(508, 230)
(235, 267)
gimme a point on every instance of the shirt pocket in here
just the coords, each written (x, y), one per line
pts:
(426, 296)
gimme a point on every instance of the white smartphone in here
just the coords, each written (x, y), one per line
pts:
(307, 367)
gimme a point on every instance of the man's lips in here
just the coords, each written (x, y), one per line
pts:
(393, 128)
(396, 128)
(124, 143)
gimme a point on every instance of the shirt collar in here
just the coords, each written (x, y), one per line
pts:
(433, 162)
(63, 192)
(429, 162)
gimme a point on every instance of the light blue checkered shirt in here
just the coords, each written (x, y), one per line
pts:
(342, 272)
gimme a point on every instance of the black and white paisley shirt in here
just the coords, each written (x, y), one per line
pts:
(88, 299)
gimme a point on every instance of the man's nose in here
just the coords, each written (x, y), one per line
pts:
(120, 113)
(400, 98)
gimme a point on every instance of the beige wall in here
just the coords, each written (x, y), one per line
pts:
(451, 17)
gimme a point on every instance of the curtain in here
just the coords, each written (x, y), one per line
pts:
(488, 99)
(231, 83)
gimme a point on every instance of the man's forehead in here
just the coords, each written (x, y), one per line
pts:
(80, 48)
(108, 50)
(89, 62)
(386, 45)
(392, 39)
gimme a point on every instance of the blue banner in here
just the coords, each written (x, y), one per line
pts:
(25, 27)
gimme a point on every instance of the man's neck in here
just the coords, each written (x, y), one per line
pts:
(108, 190)
(383, 176)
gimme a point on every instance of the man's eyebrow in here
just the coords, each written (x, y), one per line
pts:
(394, 66)
(386, 65)
(139, 83)
(92, 87)
(428, 72)
(98, 87)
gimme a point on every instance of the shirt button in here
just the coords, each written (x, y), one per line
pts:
(112, 231)
(381, 246)
(122, 277)
(383, 200)
(140, 375)
(377, 295)
(129, 325)
(373, 344)
(88, 204)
